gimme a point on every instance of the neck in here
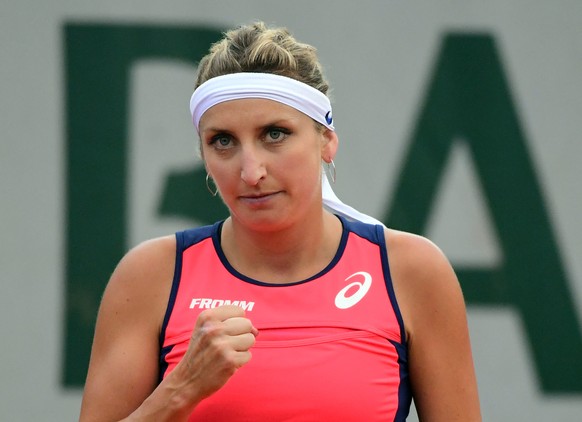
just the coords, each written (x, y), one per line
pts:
(288, 255)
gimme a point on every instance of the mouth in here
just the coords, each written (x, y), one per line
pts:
(258, 198)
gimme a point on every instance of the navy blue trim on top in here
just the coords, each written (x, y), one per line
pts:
(364, 230)
(163, 365)
(390, 283)
(404, 390)
(184, 240)
(340, 251)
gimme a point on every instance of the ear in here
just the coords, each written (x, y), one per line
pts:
(330, 145)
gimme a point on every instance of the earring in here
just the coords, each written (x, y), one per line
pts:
(330, 170)
(208, 180)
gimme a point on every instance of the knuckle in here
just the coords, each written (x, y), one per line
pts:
(204, 317)
(209, 333)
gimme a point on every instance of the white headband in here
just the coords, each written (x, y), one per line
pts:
(282, 89)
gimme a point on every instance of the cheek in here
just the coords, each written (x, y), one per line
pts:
(221, 172)
(304, 167)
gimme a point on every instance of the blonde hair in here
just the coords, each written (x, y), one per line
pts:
(257, 48)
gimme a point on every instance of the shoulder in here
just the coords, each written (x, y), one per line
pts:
(146, 261)
(142, 280)
(415, 256)
(424, 281)
(154, 251)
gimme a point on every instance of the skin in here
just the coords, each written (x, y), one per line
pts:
(443, 382)
(265, 158)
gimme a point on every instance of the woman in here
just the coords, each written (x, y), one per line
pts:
(355, 319)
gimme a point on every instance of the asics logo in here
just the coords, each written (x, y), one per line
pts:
(344, 302)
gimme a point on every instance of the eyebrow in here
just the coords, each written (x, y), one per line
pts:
(271, 123)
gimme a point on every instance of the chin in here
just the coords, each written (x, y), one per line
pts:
(262, 222)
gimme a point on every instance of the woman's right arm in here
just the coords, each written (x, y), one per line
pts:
(123, 371)
(123, 366)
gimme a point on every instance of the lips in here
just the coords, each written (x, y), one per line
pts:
(258, 198)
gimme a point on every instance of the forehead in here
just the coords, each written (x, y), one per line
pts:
(256, 111)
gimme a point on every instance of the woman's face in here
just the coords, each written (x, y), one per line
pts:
(265, 158)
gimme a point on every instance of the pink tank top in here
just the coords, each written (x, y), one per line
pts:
(331, 348)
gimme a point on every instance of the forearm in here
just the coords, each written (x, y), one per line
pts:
(173, 400)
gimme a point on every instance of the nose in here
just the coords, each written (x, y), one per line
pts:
(252, 166)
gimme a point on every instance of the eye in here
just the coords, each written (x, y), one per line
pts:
(276, 134)
(221, 141)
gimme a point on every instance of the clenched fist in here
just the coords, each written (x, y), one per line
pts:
(219, 345)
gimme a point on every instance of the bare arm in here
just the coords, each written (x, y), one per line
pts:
(442, 375)
(123, 371)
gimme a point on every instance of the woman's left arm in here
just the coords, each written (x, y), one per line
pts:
(441, 367)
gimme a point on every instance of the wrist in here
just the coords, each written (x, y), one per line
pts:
(173, 400)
